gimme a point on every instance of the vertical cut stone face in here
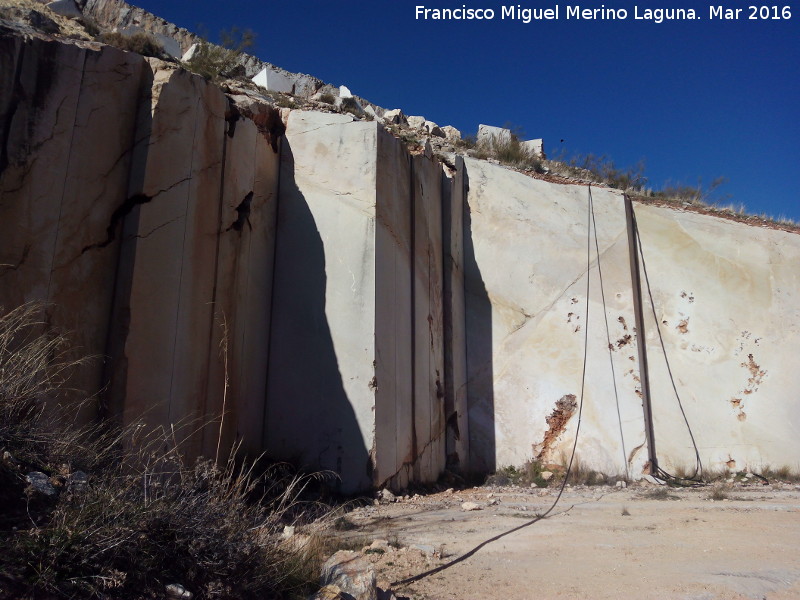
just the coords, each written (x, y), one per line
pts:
(356, 374)
(726, 299)
(320, 391)
(67, 152)
(722, 291)
(173, 245)
(455, 343)
(393, 316)
(243, 290)
(428, 283)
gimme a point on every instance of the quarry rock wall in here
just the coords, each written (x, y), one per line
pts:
(142, 212)
(346, 304)
(356, 376)
(727, 302)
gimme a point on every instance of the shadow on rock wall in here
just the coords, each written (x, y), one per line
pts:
(480, 373)
(308, 419)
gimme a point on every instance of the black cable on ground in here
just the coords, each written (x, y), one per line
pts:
(698, 469)
(539, 517)
(608, 338)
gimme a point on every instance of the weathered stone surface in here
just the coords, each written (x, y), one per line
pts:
(486, 133)
(243, 301)
(324, 290)
(351, 573)
(121, 15)
(433, 129)
(113, 211)
(428, 291)
(177, 591)
(416, 122)
(451, 133)
(470, 506)
(39, 483)
(395, 117)
(534, 146)
(387, 496)
(168, 255)
(65, 8)
(394, 315)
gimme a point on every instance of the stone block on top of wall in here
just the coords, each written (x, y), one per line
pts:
(486, 133)
(274, 81)
(534, 146)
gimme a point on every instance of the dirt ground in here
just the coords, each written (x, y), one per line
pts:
(599, 543)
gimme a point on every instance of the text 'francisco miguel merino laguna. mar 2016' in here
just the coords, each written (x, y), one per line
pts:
(576, 12)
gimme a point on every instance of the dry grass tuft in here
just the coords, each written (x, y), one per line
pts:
(509, 151)
(138, 42)
(128, 516)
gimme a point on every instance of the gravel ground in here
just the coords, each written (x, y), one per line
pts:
(600, 542)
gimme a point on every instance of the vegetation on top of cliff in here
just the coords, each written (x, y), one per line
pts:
(115, 512)
(509, 151)
(138, 42)
(217, 62)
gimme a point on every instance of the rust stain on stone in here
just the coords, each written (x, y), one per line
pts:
(557, 421)
(622, 322)
(683, 326)
(634, 452)
(624, 340)
(757, 374)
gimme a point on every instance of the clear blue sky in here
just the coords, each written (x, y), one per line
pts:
(695, 99)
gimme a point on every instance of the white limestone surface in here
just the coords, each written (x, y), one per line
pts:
(723, 292)
(274, 80)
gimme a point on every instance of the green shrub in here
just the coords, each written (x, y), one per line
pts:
(286, 102)
(139, 42)
(327, 98)
(525, 475)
